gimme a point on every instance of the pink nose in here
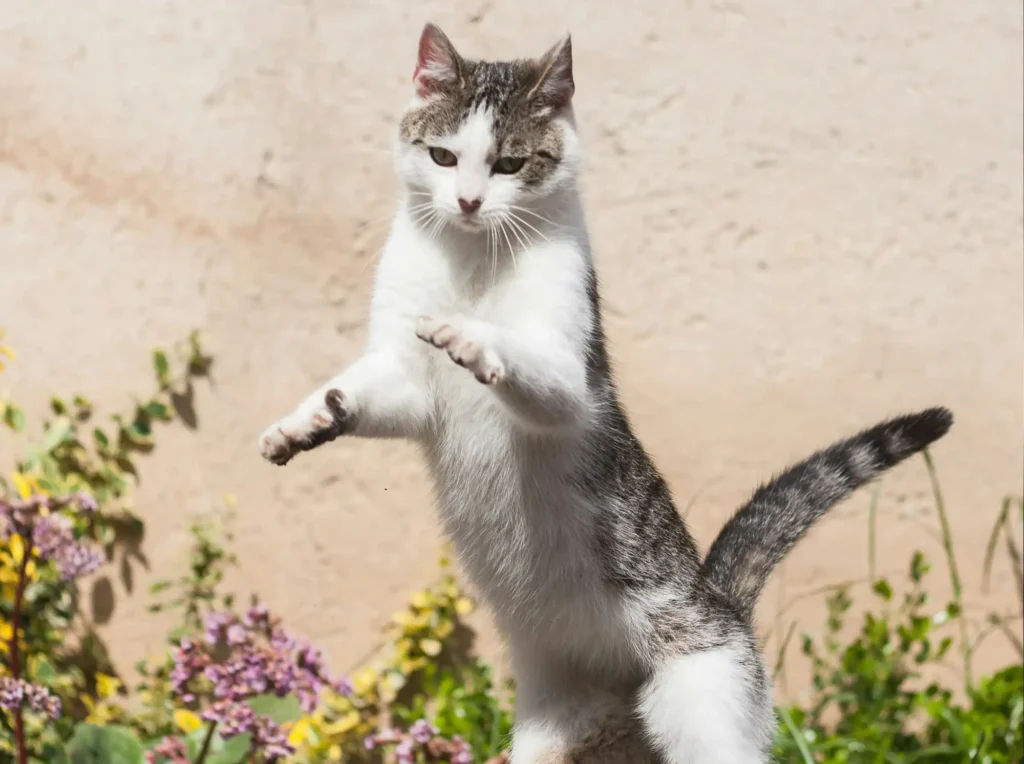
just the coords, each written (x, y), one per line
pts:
(469, 207)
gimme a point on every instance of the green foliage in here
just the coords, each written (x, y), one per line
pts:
(463, 702)
(875, 695)
(103, 745)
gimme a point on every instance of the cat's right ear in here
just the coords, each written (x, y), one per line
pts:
(438, 66)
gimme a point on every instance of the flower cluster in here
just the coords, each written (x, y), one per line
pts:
(424, 738)
(261, 658)
(17, 693)
(171, 749)
(52, 534)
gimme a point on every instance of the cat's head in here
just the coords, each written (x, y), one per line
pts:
(481, 138)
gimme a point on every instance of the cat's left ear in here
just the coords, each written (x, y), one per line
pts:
(554, 84)
(438, 64)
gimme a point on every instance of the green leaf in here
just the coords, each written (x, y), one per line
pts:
(882, 589)
(56, 433)
(161, 367)
(101, 438)
(104, 745)
(14, 417)
(280, 710)
(221, 751)
(53, 753)
(158, 410)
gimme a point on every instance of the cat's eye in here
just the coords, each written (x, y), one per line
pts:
(509, 165)
(443, 157)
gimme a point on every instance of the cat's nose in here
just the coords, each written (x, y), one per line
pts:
(470, 206)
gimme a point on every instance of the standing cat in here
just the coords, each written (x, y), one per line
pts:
(485, 346)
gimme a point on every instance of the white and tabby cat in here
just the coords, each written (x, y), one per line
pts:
(485, 346)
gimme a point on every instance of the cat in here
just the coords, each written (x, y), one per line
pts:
(485, 345)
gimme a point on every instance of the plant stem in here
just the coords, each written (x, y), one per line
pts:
(19, 597)
(954, 571)
(872, 532)
(205, 748)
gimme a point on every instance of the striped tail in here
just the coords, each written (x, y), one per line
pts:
(780, 512)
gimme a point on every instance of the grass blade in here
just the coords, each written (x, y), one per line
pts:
(801, 743)
(954, 571)
(993, 539)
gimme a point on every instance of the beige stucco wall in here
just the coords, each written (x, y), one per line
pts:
(807, 216)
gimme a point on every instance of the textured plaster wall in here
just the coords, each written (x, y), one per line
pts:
(807, 216)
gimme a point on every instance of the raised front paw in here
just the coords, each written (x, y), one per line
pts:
(466, 343)
(314, 424)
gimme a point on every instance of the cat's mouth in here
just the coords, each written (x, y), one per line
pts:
(472, 222)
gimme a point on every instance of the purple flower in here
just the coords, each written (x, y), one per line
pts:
(404, 752)
(270, 739)
(86, 503)
(421, 731)
(17, 693)
(232, 718)
(53, 538)
(170, 748)
(76, 560)
(189, 662)
(216, 625)
(236, 635)
(256, 616)
(463, 753)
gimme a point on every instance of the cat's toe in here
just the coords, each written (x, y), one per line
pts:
(275, 446)
(440, 334)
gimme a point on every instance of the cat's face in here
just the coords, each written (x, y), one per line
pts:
(481, 138)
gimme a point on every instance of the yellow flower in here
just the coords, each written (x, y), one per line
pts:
(21, 484)
(364, 680)
(444, 629)
(99, 713)
(16, 548)
(107, 685)
(411, 665)
(334, 753)
(431, 647)
(187, 721)
(420, 600)
(302, 730)
(463, 606)
(346, 723)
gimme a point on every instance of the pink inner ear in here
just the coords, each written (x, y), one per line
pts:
(435, 61)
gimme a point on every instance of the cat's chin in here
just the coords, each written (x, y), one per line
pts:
(468, 225)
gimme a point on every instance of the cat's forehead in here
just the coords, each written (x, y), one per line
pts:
(500, 88)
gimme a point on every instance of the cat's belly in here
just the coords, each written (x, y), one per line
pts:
(524, 534)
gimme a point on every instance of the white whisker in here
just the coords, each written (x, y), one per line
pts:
(511, 252)
(523, 240)
(513, 216)
(492, 241)
(535, 214)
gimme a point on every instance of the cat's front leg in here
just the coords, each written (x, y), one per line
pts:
(541, 380)
(468, 342)
(375, 397)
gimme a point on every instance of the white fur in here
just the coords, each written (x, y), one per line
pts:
(700, 709)
(510, 304)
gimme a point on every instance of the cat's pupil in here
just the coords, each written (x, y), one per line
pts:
(509, 165)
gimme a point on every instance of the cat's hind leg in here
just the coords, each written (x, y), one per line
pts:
(562, 718)
(710, 706)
